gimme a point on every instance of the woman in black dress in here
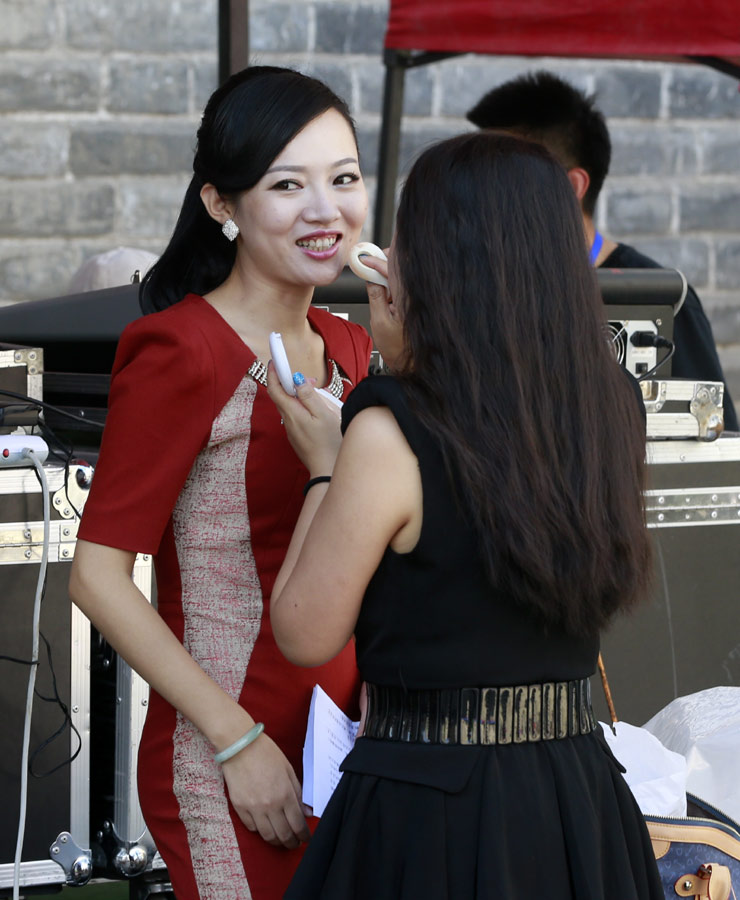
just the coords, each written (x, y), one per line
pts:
(483, 524)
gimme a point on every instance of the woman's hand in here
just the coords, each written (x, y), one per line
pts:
(311, 423)
(386, 322)
(266, 793)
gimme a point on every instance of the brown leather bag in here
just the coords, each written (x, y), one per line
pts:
(698, 856)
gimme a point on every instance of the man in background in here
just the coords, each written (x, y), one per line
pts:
(542, 107)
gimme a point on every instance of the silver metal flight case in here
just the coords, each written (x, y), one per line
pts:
(58, 846)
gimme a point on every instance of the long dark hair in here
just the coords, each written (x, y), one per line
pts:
(246, 123)
(509, 365)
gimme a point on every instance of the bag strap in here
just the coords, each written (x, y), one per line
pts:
(711, 882)
(607, 691)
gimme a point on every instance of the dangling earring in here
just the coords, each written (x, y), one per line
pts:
(230, 229)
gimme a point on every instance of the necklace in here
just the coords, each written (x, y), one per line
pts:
(258, 371)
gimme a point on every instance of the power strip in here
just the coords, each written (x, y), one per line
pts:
(13, 445)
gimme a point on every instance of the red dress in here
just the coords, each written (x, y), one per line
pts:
(195, 468)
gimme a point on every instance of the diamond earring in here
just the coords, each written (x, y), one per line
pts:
(230, 229)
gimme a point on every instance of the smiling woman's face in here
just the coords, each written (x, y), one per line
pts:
(299, 222)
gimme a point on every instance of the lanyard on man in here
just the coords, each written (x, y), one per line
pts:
(596, 246)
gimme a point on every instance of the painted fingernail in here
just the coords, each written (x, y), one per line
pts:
(298, 378)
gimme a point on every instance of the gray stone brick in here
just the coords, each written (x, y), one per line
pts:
(653, 151)
(336, 75)
(698, 93)
(370, 77)
(417, 94)
(732, 379)
(151, 86)
(416, 139)
(342, 28)
(142, 25)
(725, 322)
(27, 24)
(721, 152)
(730, 359)
(332, 28)
(464, 83)
(142, 149)
(728, 265)
(690, 255)
(367, 140)
(278, 27)
(637, 212)
(367, 229)
(205, 78)
(56, 210)
(50, 85)
(714, 208)
(37, 271)
(629, 93)
(150, 207)
(367, 29)
(29, 149)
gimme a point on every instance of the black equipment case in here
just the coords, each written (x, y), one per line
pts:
(688, 637)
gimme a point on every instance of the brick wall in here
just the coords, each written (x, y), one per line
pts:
(99, 101)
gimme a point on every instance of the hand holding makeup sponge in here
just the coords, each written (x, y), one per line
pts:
(365, 248)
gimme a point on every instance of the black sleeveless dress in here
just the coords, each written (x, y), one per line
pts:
(552, 819)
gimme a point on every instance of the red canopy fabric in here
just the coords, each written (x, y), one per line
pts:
(620, 28)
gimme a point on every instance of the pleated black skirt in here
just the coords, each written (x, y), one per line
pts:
(549, 820)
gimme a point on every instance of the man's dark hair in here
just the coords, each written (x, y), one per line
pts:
(542, 107)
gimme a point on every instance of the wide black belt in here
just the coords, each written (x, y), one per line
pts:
(486, 715)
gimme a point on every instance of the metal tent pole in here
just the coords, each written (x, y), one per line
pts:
(389, 147)
(233, 37)
(396, 63)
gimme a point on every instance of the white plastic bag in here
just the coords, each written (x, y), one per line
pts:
(705, 728)
(656, 775)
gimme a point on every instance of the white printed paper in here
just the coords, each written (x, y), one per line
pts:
(329, 738)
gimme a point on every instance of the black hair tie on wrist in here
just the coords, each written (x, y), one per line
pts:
(312, 481)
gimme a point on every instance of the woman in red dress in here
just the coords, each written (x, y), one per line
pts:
(195, 468)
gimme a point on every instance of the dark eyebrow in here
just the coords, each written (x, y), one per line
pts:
(340, 162)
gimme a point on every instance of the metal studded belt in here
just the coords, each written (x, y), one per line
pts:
(487, 715)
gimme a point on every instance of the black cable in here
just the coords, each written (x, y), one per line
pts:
(43, 405)
(53, 439)
(62, 728)
(660, 342)
(67, 451)
(14, 409)
(67, 719)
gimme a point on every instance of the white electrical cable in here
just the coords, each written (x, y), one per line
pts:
(684, 291)
(29, 454)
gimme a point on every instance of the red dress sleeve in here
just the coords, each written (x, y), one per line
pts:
(161, 409)
(346, 342)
